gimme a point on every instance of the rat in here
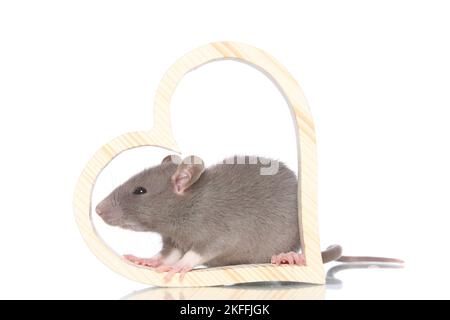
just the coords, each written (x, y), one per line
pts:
(230, 213)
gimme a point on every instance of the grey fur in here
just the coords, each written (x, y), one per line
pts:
(231, 215)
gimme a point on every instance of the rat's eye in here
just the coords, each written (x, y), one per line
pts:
(139, 190)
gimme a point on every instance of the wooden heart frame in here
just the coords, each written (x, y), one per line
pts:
(161, 135)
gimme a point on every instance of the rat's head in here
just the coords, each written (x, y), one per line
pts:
(144, 202)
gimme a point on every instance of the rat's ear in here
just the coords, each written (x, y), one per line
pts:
(171, 158)
(187, 173)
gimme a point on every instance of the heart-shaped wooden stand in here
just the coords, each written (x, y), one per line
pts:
(161, 136)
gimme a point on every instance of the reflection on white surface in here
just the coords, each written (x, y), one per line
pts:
(268, 290)
(335, 283)
(256, 291)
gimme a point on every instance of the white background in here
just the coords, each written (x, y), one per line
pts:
(73, 75)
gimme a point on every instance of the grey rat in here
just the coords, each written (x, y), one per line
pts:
(226, 214)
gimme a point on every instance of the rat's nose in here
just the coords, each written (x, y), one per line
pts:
(99, 210)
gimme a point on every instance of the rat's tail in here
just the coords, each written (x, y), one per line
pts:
(334, 253)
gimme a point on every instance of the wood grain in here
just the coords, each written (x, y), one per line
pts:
(161, 135)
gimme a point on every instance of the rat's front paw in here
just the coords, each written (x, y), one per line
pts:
(146, 262)
(180, 268)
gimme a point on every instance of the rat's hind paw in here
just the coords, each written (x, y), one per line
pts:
(172, 270)
(146, 262)
(289, 258)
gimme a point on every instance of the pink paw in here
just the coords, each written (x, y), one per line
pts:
(147, 262)
(289, 258)
(172, 270)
